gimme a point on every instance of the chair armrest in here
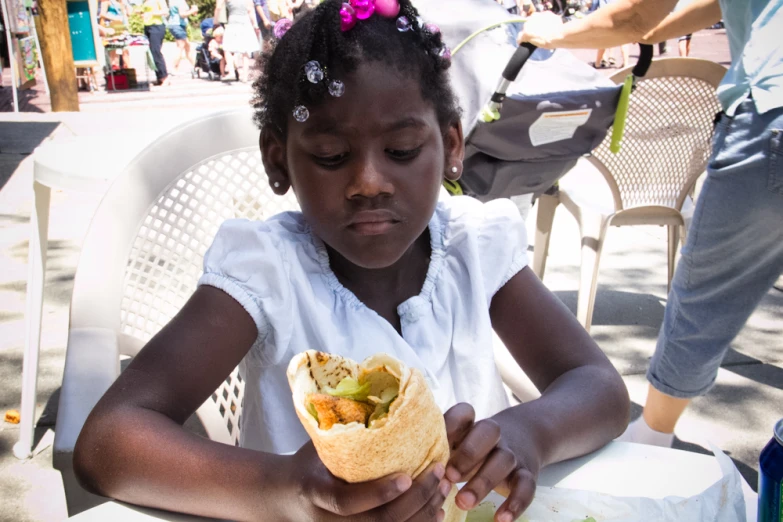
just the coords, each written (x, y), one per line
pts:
(92, 364)
(513, 376)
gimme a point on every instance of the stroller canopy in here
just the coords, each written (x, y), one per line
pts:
(557, 110)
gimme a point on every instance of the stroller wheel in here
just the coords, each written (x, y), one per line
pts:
(211, 75)
(236, 74)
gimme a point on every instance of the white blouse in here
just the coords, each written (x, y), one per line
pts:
(279, 272)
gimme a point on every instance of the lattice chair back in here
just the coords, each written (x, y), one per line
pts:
(168, 206)
(667, 140)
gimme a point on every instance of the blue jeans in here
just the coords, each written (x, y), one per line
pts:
(733, 253)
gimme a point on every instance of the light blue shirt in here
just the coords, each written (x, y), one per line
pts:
(279, 272)
(754, 29)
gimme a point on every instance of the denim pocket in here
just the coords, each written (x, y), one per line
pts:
(720, 157)
(775, 183)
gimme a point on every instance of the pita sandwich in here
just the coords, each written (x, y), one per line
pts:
(369, 419)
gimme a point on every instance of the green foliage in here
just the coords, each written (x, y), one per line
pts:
(136, 23)
(206, 9)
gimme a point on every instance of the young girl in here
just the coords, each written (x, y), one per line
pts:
(358, 118)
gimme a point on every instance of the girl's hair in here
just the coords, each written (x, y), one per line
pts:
(416, 53)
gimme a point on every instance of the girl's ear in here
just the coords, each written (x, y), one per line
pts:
(273, 156)
(454, 147)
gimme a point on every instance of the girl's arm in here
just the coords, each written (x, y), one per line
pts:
(133, 447)
(697, 15)
(619, 23)
(584, 403)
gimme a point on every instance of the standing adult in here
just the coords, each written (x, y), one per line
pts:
(177, 24)
(734, 251)
(153, 13)
(263, 19)
(113, 20)
(240, 40)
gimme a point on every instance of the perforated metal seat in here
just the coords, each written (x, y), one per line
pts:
(140, 262)
(665, 149)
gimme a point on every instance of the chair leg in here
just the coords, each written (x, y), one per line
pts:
(674, 240)
(36, 277)
(546, 214)
(593, 232)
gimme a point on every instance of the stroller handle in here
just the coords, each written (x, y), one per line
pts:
(645, 60)
(518, 60)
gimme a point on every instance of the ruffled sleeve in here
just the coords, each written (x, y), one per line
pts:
(502, 243)
(248, 262)
(491, 237)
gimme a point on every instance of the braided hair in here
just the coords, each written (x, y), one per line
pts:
(416, 53)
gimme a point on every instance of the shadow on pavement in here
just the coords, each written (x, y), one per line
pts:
(620, 308)
(18, 139)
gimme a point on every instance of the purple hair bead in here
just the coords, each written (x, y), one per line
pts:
(281, 27)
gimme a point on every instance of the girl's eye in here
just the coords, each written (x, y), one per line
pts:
(403, 155)
(330, 161)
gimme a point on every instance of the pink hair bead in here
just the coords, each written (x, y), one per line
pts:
(387, 8)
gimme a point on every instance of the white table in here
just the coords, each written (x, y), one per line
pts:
(620, 469)
(84, 164)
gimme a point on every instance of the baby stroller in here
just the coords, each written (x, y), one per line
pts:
(527, 129)
(204, 62)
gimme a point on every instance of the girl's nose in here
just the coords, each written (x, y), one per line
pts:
(368, 181)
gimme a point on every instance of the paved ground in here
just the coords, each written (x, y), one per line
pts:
(737, 414)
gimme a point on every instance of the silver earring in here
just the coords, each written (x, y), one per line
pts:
(276, 184)
(454, 170)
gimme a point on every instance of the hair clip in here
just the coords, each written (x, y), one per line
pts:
(355, 10)
(281, 27)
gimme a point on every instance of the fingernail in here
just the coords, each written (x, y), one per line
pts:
(452, 474)
(441, 515)
(468, 499)
(505, 517)
(403, 483)
(439, 470)
(445, 487)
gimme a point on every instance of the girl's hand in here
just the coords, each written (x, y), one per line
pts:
(313, 493)
(480, 457)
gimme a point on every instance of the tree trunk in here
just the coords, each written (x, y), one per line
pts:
(55, 38)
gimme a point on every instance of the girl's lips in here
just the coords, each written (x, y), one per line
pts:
(372, 228)
(373, 222)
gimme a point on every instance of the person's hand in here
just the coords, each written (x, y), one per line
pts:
(542, 30)
(480, 457)
(311, 492)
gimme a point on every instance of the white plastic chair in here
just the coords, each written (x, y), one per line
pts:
(140, 262)
(666, 147)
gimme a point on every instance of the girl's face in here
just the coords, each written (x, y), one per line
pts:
(367, 167)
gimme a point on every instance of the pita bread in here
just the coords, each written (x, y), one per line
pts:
(408, 440)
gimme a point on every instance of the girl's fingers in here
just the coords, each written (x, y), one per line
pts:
(473, 449)
(424, 498)
(523, 488)
(459, 419)
(433, 511)
(498, 466)
(344, 499)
